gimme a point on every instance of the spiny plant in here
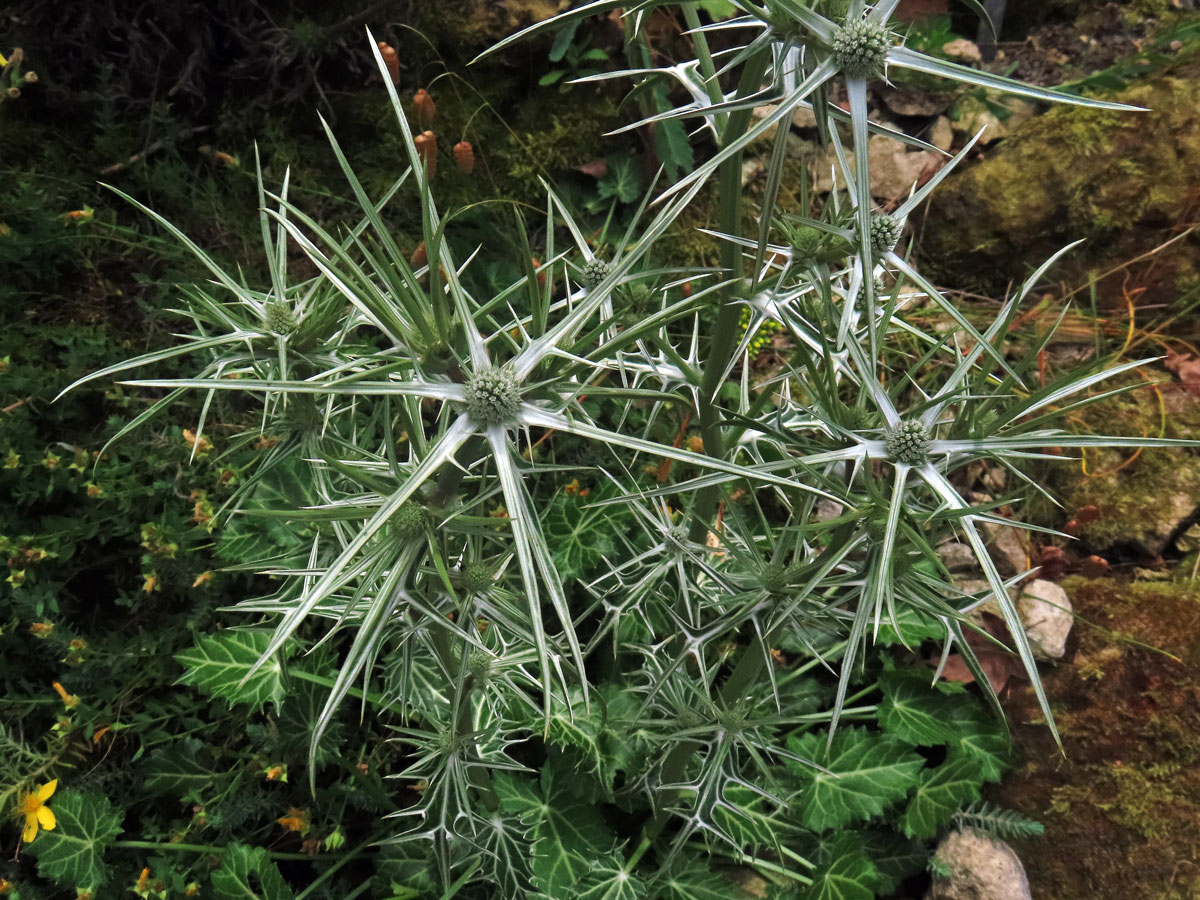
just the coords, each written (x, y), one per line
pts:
(674, 675)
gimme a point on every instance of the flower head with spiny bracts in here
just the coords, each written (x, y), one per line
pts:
(908, 442)
(492, 395)
(595, 270)
(884, 233)
(860, 48)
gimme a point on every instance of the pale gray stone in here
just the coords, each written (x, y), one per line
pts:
(981, 868)
(1046, 612)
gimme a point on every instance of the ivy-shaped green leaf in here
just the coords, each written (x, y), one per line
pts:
(980, 737)
(583, 534)
(218, 663)
(671, 144)
(692, 880)
(599, 735)
(567, 832)
(248, 538)
(247, 873)
(942, 792)
(608, 880)
(405, 869)
(73, 852)
(914, 710)
(621, 180)
(867, 772)
(506, 844)
(914, 626)
(177, 771)
(847, 875)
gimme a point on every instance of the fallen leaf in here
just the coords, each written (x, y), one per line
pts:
(1187, 368)
(597, 168)
(999, 665)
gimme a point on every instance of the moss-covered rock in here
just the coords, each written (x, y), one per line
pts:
(1126, 502)
(1115, 178)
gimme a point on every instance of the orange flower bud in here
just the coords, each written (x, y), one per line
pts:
(425, 107)
(419, 256)
(427, 149)
(391, 60)
(464, 157)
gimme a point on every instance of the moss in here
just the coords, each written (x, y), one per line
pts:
(1139, 497)
(1121, 803)
(1111, 177)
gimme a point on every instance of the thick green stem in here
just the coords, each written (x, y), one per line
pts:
(725, 339)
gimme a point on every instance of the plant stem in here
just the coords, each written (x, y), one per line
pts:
(373, 699)
(209, 848)
(725, 339)
(329, 873)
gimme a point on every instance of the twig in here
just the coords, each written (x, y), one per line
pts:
(153, 148)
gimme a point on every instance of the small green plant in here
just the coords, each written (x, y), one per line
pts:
(1004, 823)
(611, 686)
(578, 59)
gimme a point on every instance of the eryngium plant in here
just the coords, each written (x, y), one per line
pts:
(416, 406)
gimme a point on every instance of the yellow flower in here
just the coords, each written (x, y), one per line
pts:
(33, 807)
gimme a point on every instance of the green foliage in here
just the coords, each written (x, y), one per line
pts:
(941, 793)
(1004, 823)
(480, 677)
(247, 873)
(847, 875)
(860, 775)
(223, 665)
(73, 852)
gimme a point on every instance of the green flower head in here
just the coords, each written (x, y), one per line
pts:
(860, 49)
(493, 396)
(885, 233)
(908, 442)
(595, 270)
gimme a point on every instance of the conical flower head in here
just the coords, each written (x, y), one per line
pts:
(885, 233)
(908, 442)
(860, 49)
(595, 270)
(279, 318)
(493, 396)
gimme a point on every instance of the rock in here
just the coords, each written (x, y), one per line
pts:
(827, 509)
(803, 117)
(895, 167)
(1008, 547)
(957, 557)
(981, 868)
(963, 50)
(973, 114)
(911, 102)
(1046, 611)
(941, 133)
(1118, 179)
